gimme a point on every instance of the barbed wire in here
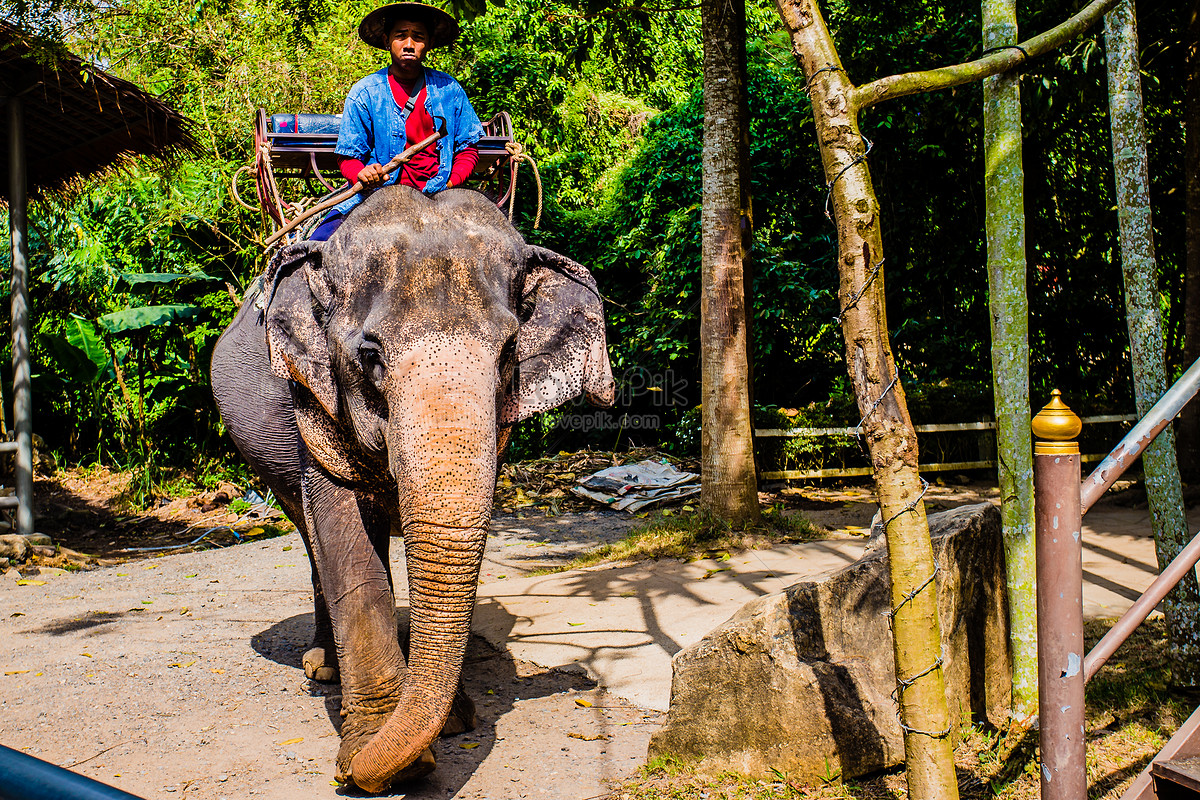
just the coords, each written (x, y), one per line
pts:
(902, 684)
(827, 68)
(859, 294)
(858, 159)
(887, 389)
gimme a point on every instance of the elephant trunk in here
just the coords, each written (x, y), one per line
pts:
(443, 455)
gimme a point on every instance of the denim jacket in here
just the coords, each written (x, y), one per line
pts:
(373, 126)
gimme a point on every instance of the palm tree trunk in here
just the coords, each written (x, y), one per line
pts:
(1163, 488)
(729, 486)
(1004, 190)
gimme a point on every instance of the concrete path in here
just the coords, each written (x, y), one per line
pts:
(179, 676)
(621, 624)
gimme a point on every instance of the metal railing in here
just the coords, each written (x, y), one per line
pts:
(23, 777)
(1061, 500)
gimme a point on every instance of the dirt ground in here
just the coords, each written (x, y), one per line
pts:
(178, 675)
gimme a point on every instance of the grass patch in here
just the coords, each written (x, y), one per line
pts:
(690, 536)
(1132, 710)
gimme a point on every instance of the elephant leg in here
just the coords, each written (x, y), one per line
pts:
(320, 659)
(258, 412)
(345, 528)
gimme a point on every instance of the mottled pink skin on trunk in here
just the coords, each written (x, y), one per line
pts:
(442, 453)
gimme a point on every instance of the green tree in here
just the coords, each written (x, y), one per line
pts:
(1005, 225)
(887, 426)
(1163, 487)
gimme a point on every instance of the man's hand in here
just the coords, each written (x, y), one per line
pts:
(372, 176)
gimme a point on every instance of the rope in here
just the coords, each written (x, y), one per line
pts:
(517, 154)
(233, 188)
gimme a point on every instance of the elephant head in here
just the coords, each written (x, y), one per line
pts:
(423, 327)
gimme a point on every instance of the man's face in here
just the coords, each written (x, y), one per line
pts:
(408, 42)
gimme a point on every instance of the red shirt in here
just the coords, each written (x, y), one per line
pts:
(424, 164)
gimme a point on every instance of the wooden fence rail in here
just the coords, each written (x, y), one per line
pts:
(848, 472)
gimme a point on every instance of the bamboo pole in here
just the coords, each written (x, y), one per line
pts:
(1004, 222)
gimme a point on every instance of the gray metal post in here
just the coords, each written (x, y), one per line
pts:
(22, 394)
(1059, 552)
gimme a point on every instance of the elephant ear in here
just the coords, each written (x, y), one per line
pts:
(561, 351)
(297, 299)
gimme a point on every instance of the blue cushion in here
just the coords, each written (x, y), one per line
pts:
(306, 123)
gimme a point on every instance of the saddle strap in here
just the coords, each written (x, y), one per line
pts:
(412, 100)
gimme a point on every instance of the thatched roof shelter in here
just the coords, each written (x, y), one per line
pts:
(66, 120)
(80, 120)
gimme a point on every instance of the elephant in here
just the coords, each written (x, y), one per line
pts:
(372, 382)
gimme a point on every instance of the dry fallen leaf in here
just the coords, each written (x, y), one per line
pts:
(27, 582)
(588, 737)
(87, 655)
(469, 745)
(16, 672)
(579, 701)
(217, 671)
(255, 532)
(297, 740)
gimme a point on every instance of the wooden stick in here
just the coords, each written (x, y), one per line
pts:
(388, 169)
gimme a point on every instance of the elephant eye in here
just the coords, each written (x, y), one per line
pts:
(370, 356)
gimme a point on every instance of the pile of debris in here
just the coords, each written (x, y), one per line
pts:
(633, 487)
(21, 555)
(548, 485)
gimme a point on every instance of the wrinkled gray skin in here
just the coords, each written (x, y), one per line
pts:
(372, 388)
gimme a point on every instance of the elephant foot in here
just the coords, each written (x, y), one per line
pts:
(320, 665)
(357, 730)
(462, 714)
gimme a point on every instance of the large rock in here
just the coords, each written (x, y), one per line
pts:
(802, 680)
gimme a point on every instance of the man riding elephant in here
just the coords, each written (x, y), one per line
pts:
(393, 108)
(372, 382)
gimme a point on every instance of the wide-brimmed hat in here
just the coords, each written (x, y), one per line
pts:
(374, 29)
